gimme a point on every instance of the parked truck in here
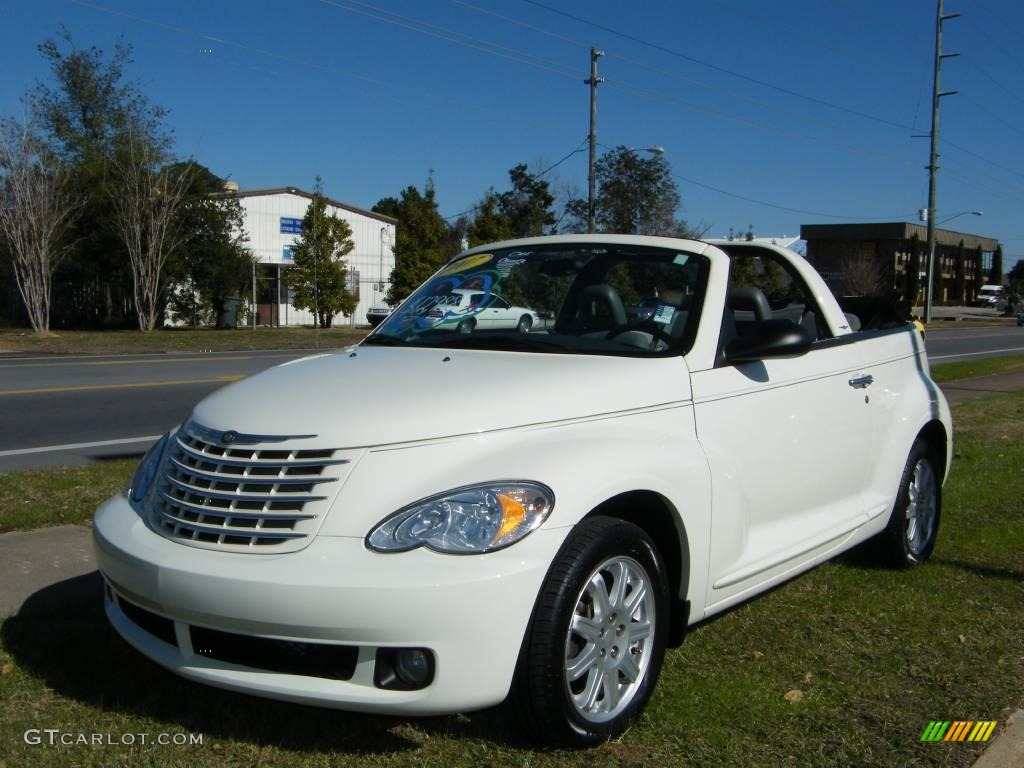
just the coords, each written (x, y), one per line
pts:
(454, 514)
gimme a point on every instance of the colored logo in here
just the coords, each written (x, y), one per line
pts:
(229, 437)
(958, 730)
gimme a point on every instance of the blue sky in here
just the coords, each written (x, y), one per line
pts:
(804, 105)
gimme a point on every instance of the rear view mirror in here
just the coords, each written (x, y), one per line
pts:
(768, 339)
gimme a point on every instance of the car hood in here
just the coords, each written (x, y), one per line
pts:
(369, 396)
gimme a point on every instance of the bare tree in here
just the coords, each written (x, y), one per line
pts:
(862, 276)
(36, 210)
(146, 199)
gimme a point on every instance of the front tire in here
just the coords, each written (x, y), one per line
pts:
(596, 642)
(466, 326)
(913, 527)
(525, 323)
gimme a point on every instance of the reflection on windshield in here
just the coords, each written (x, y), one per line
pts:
(576, 298)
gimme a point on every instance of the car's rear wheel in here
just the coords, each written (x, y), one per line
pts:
(913, 527)
(525, 323)
(595, 645)
(466, 326)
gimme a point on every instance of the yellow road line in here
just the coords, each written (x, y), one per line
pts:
(96, 387)
(140, 362)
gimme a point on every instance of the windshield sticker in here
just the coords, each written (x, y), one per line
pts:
(505, 265)
(663, 314)
(681, 259)
(467, 262)
(447, 300)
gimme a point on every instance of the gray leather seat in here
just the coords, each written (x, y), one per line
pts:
(745, 298)
(600, 308)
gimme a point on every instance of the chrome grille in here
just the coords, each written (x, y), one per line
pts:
(255, 492)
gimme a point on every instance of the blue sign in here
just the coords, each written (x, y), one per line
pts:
(286, 254)
(291, 226)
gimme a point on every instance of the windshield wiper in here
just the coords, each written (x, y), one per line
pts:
(505, 342)
(383, 340)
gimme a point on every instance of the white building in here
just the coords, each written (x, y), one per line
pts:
(273, 222)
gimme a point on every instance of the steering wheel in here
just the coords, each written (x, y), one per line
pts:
(645, 326)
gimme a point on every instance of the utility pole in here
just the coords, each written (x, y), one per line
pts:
(592, 81)
(934, 156)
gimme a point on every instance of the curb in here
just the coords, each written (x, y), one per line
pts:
(1007, 750)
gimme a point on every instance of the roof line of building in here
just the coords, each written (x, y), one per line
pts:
(894, 230)
(309, 195)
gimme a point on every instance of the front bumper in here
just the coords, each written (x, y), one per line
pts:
(470, 611)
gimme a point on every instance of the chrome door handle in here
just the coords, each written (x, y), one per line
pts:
(860, 382)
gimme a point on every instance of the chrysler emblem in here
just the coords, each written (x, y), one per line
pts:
(229, 437)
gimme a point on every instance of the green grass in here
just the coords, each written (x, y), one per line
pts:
(876, 655)
(174, 340)
(966, 369)
(40, 497)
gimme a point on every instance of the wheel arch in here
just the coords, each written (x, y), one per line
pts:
(934, 434)
(658, 517)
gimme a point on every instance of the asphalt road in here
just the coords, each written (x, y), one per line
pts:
(953, 344)
(70, 410)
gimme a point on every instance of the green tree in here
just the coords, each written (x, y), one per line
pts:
(421, 239)
(635, 195)
(997, 266)
(979, 270)
(1015, 278)
(319, 275)
(490, 223)
(527, 205)
(213, 263)
(89, 110)
(959, 275)
(913, 273)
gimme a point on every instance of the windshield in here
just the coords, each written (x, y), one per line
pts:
(570, 298)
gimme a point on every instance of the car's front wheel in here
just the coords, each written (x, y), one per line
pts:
(596, 642)
(525, 323)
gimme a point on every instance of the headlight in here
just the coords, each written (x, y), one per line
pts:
(146, 471)
(470, 520)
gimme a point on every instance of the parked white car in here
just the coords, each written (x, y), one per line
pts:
(470, 309)
(989, 296)
(377, 314)
(447, 520)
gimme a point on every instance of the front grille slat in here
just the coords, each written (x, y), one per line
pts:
(267, 496)
(226, 496)
(257, 479)
(300, 461)
(260, 514)
(221, 530)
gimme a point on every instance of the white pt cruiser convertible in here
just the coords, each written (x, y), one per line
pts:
(438, 520)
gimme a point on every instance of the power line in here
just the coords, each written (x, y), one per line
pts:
(717, 68)
(433, 97)
(450, 35)
(718, 113)
(819, 214)
(637, 63)
(764, 126)
(537, 175)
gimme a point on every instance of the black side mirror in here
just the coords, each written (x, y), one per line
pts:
(769, 338)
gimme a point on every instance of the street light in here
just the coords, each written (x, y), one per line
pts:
(962, 213)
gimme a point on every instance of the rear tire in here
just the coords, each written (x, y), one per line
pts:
(466, 326)
(913, 527)
(525, 323)
(595, 645)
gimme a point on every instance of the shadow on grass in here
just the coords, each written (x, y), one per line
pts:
(112, 457)
(62, 637)
(986, 571)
